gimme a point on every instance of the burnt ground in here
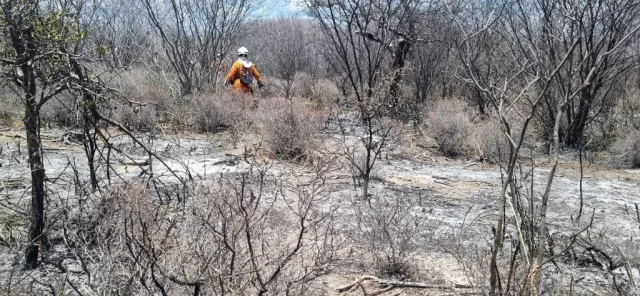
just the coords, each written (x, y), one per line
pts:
(453, 204)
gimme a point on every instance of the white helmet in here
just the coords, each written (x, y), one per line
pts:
(243, 51)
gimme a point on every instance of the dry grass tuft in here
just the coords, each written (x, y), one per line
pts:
(449, 124)
(491, 143)
(218, 112)
(289, 127)
(626, 149)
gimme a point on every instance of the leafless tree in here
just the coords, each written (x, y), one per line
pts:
(119, 35)
(193, 32)
(521, 88)
(371, 139)
(41, 40)
(285, 48)
(606, 30)
(369, 40)
(428, 66)
(46, 58)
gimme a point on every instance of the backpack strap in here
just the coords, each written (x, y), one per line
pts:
(240, 73)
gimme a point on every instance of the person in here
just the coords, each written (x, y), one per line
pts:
(243, 72)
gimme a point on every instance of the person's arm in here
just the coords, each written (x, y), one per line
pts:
(233, 73)
(256, 74)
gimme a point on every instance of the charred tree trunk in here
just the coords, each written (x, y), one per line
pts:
(481, 101)
(32, 125)
(89, 142)
(579, 118)
(90, 119)
(24, 43)
(399, 55)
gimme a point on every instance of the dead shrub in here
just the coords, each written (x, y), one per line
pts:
(142, 85)
(7, 117)
(156, 93)
(9, 108)
(208, 117)
(321, 92)
(235, 234)
(61, 111)
(472, 257)
(219, 112)
(135, 117)
(389, 231)
(491, 144)
(629, 105)
(149, 95)
(601, 133)
(289, 127)
(626, 149)
(450, 126)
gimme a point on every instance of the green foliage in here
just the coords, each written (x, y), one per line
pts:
(49, 32)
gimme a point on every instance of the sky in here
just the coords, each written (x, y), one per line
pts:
(279, 8)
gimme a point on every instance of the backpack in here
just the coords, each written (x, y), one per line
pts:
(246, 77)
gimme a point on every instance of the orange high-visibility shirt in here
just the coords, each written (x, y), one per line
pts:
(235, 73)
